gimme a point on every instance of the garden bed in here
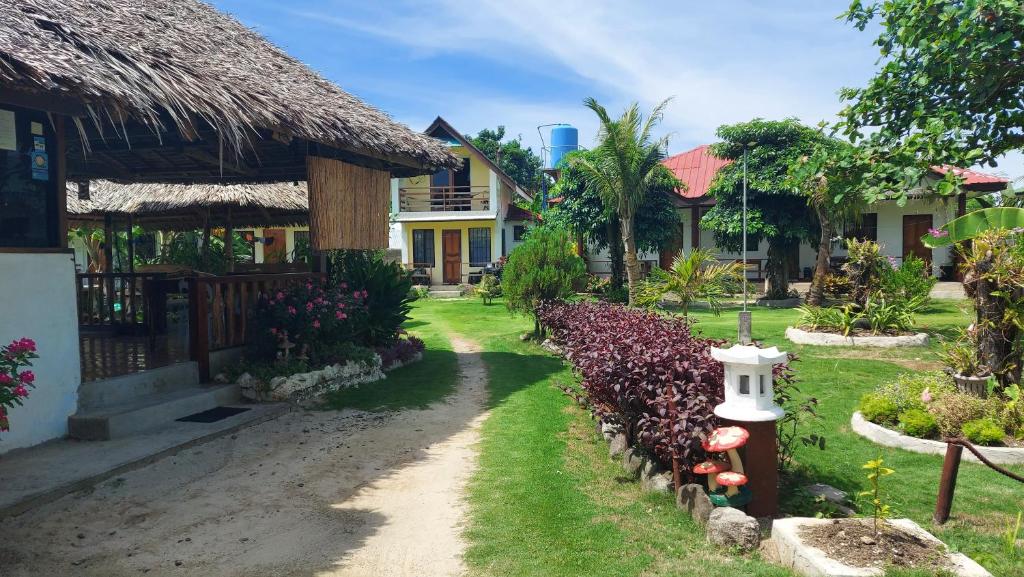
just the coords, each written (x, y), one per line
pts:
(802, 337)
(788, 303)
(850, 547)
(891, 438)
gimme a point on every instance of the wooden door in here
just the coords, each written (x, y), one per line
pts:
(451, 248)
(914, 227)
(275, 247)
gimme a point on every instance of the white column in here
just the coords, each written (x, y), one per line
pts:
(395, 200)
(494, 196)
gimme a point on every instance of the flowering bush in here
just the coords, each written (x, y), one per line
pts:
(14, 382)
(631, 363)
(311, 316)
(402, 351)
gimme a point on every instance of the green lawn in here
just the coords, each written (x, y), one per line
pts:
(546, 499)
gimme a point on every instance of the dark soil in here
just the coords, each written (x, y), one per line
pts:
(854, 542)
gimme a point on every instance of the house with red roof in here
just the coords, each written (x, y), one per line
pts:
(898, 229)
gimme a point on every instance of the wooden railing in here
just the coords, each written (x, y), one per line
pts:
(219, 310)
(117, 299)
(444, 198)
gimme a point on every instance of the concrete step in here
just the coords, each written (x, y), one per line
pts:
(147, 412)
(125, 388)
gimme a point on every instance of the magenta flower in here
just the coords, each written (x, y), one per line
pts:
(926, 395)
(20, 391)
(273, 331)
(938, 232)
(309, 306)
(316, 323)
(341, 305)
(344, 285)
(893, 262)
(280, 295)
(5, 379)
(291, 310)
(365, 293)
(27, 377)
(340, 315)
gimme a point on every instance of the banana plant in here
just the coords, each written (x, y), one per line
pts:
(971, 224)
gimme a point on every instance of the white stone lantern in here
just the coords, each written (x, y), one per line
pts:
(749, 394)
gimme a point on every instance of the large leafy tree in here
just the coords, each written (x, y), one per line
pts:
(831, 179)
(948, 91)
(776, 211)
(583, 211)
(511, 156)
(625, 164)
(544, 268)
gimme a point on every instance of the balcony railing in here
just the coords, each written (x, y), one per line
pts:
(444, 198)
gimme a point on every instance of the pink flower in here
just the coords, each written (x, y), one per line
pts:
(291, 310)
(280, 295)
(5, 379)
(273, 331)
(344, 285)
(341, 305)
(893, 262)
(365, 293)
(27, 377)
(926, 395)
(340, 315)
(938, 232)
(356, 294)
(20, 391)
(309, 306)
(316, 323)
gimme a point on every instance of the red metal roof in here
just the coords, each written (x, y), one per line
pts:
(516, 213)
(696, 168)
(971, 177)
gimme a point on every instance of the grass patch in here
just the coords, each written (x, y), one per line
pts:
(414, 386)
(546, 499)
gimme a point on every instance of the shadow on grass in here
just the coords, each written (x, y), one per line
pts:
(509, 372)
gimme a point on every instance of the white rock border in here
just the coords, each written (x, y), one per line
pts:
(890, 438)
(813, 562)
(802, 337)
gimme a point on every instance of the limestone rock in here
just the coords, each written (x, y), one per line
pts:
(633, 462)
(728, 527)
(660, 482)
(693, 499)
(618, 445)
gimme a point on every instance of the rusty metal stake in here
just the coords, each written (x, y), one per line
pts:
(677, 480)
(947, 485)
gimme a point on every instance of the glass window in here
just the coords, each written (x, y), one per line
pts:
(29, 211)
(423, 247)
(518, 231)
(866, 228)
(479, 246)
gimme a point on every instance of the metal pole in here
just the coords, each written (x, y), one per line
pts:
(744, 229)
(947, 484)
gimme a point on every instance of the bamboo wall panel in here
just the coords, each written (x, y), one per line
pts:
(348, 205)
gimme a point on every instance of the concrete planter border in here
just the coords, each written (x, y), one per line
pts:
(890, 438)
(805, 559)
(802, 337)
(790, 303)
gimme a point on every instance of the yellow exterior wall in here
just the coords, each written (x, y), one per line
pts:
(437, 274)
(479, 173)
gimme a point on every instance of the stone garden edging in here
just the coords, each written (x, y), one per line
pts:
(802, 337)
(890, 438)
(788, 303)
(330, 378)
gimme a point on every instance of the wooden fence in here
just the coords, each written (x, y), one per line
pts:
(219, 309)
(117, 299)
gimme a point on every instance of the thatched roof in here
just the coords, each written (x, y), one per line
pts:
(185, 207)
(184, 69)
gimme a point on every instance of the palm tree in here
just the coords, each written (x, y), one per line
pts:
(697, 275)
(623, 168)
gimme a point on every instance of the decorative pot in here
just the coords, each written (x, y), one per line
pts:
(977, 386)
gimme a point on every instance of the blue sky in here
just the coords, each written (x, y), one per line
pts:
(522, 63)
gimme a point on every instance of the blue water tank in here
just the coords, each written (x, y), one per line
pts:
(564, 139)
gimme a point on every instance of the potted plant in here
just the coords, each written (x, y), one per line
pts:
(962, 362)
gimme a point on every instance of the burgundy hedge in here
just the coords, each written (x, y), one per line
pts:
(630, 362)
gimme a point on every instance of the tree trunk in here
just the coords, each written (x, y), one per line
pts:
(615, 251)
(778, 270)
(995, 337)
(632, 264)
(816, 295)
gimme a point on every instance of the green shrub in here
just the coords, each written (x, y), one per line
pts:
(918, 423)
(953, 410)
(544, 268)
(488, 289)
(837, 284)
(984, 431)
(905, 391)
(890, 316)
(878, 409)
(385, 288)
(909, 281)
(839, 319)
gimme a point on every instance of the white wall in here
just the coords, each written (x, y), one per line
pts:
(37, 300)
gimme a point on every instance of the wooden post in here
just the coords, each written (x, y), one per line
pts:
(198, 327)
(229, 245)
(108, 267)
(760, 461)
(131, 245)
(677, 477)
(205, 258)
(694, 227)
(947, 485)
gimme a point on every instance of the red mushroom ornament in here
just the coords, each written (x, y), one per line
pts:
(727, 440)
(711, 469)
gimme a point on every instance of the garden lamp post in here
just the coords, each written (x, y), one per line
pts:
(744, 331)
(750, 404)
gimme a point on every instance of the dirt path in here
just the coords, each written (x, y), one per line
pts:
(310, 494)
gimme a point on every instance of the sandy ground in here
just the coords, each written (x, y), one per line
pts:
(309, 494)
